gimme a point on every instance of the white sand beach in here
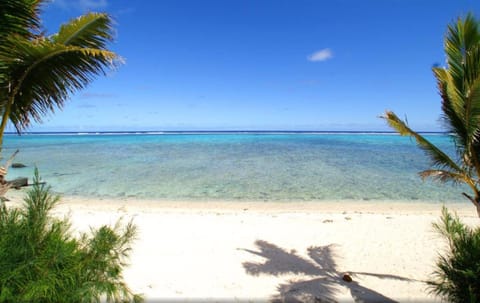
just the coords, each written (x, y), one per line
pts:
(256, 252)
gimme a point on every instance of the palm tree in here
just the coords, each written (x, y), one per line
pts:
(37, 72)
(459, 87)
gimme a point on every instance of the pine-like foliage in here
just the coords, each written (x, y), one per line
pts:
(41, 261)
(457, 277)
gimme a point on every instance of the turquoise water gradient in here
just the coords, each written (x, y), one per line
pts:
(237, 167)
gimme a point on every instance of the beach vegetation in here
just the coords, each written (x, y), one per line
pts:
(42, 261)
(459, 88)
(457, 275)
(38, 73)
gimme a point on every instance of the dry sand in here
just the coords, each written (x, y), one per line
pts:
(256, 252)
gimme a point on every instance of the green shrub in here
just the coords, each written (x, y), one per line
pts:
(41, 261)
(457, 274)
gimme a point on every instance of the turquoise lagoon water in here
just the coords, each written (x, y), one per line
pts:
(232, 166)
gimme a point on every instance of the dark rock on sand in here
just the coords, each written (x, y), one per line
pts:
(18, 165)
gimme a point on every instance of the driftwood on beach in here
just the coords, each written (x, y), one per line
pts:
(18, 182)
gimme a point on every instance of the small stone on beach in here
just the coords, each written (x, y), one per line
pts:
(347, 278)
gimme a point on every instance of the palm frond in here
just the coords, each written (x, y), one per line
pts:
(445, 176)
(452, 107)
(473, 93)
(473, 97)
(458, 84)
(439, 158)
(16, 18)
(19, 18)
(461, 38)
(459, 88)
(454, 49)
(93, 30)
(472, 64)
(41, 73)
(46, 73)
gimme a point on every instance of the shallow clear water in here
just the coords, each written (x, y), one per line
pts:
(258, 167)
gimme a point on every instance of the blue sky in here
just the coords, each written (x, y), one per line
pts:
(261, 64)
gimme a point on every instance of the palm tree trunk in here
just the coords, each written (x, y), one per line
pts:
(475, 201)
(476, 162)
(5, 117)
(478, 209)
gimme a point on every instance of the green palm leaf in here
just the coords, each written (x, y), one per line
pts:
(44, 72)
(19, 18)
(458, 84)
(93, 30)
(473, 97)
(444, 176)
(438, 157)
(459, 87)
(47, 73)
(451, 116)
(16, 18)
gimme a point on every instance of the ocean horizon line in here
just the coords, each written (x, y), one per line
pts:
(213, 132)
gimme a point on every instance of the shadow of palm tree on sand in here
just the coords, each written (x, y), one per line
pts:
(321, 265)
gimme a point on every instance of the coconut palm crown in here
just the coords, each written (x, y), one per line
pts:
(38, 73)
(459, 88)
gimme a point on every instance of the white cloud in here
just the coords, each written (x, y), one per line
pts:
(321, 55)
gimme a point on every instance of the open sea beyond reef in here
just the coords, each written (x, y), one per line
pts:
(237, 166)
